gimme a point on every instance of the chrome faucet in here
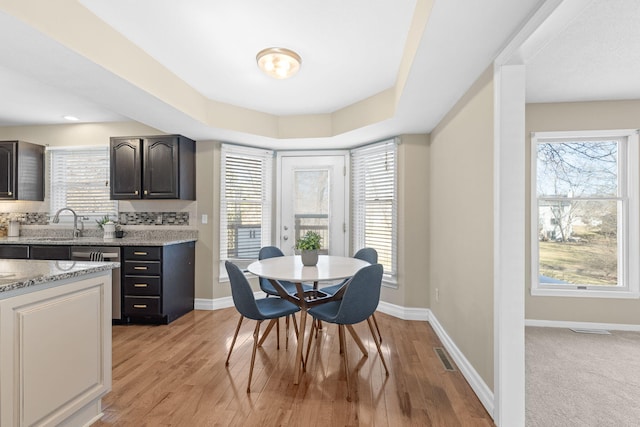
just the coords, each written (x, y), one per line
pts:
(56, 219)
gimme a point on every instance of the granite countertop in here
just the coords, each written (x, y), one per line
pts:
(131, 239)
(19, 274)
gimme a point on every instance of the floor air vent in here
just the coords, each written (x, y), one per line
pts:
(444, 358)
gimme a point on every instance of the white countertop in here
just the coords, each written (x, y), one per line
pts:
(131, 239)
(18, 274)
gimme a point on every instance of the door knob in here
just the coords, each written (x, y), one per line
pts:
(285, 237)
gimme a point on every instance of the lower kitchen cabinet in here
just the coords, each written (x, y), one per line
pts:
(14, 251)
(158, 282)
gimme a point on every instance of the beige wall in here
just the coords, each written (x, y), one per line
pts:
(413, 236)
(75, 134)
(565, 117)
(413, 224)
(461, 218)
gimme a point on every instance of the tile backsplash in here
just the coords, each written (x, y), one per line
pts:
(124, 218)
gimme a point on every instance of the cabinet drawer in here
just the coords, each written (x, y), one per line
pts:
(143, 268)
(141, 285)
(141, 306)
(14, 251)
(143, 253)
(51, 252)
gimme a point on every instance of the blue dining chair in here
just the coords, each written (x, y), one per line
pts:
(266, 286)
(289, 287)
(359, 301)
(369, 255)
(257, 309)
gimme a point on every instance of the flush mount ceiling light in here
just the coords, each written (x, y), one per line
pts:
(278, 62)
(71, 118)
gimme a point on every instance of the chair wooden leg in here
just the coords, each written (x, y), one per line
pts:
(375, 339)
(256, 332)
(233, 342)
(375, 322)
(278, 334)
(344, 359)
(358, 341)
(286, 329)
(295, 324)
(314, 325)
(266, 332)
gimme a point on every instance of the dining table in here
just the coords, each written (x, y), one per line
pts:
(290, 268)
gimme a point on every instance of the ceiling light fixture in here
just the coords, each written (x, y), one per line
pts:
(71, 118)
(278, 62)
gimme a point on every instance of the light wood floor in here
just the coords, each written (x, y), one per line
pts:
(174, 375)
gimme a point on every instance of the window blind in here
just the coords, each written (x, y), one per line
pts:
(79, 179)
(245, 206)
(374, 200)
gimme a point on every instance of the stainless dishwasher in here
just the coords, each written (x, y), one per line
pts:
(109, 254)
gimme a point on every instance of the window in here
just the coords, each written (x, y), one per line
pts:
(79, 179)
(245, 206)
(584, 226)
(374, 202)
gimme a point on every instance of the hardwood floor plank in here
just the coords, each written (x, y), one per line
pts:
(175, 375)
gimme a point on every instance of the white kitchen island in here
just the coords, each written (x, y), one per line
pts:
(55, 341)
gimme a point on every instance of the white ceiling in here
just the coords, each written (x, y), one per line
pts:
(348, 52)
(211, 45)
(596, 57)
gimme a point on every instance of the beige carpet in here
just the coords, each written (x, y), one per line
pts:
(575, 379)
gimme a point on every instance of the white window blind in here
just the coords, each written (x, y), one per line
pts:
(374, 193)
(245, 206)
(79, 179)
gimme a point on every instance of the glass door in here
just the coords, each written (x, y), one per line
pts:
(312, 198)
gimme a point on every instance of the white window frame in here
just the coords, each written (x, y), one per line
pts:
(358, 204)
(267, 159)
(629, 218)
(66, 217)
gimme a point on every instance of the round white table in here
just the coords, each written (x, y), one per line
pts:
(290, 268)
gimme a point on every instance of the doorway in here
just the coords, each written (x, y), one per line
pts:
(313, 196)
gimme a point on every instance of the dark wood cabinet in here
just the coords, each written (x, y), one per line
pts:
(158, 282)
(56, 253)
(14, 251)
(21, 171)
(126, 168)
(153, 167)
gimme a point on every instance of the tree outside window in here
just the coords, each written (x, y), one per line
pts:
(580, 210)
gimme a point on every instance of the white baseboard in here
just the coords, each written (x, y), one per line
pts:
(581, 325)
(218, 303)
(404, 313)
(480, 388)
(478, 385)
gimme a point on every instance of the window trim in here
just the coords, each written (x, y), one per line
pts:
(629, 192)
(389, 279)
(267, 194)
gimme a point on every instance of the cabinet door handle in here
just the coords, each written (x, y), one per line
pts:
(146, 192)
(135, 192)
(10, 193)
(139, 305)
(140, 253)
(140, 285)
(139, 268)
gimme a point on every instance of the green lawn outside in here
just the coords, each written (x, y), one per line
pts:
(592, 262)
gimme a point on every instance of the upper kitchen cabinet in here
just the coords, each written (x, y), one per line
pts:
(153, 167)
(21, 171)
